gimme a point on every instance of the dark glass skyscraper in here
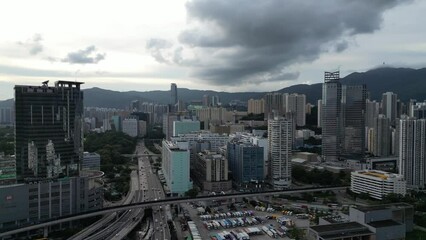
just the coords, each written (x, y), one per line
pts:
(173, 94)
(331, 116)
(48, 130)
(353, 103)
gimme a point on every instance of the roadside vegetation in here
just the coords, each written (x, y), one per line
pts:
(110, 146)
(320, 177)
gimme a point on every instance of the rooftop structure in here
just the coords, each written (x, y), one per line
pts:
(377, 183)
(350, 230)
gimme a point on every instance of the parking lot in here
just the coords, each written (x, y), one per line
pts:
(240, 220)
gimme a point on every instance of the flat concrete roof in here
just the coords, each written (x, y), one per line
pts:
(384, 223)
(341, 230)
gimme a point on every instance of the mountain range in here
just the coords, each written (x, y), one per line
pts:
(406, 82)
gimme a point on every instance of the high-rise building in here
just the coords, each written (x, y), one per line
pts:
(419, 110)
(255, 106)
(372, 109)
(49, 157)
(206, 101)
(215, 101)
(389, 106)
(173, 94)
(382, 136)
(280, 142)
(211, 172)
(175, 165)
(245, 161)
(331, 116)
(410, 107)
(168, 120)
(116, 123)
(130, 127)
(5, 116)
(353, 103)
(274, 104)
(296, 103)
(142, 128)
(412, 151)
(49, 130)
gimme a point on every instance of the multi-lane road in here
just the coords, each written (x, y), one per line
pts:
(145, 186)
(109, 222)
(127, 220)
(153, 191)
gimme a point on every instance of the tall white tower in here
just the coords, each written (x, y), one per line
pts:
(412, 151)
(280, 140)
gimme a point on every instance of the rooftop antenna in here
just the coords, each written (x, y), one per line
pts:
(45, 83)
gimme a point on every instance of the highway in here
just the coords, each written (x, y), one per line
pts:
(105, 221)
(127, 220)
(167, 201)
(153, 191)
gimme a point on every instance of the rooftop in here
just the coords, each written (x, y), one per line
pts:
(376, 173)
(383, 207)
(384, 223)
(341, 230)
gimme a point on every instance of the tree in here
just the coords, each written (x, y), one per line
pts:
(192, 193)
(296, 233)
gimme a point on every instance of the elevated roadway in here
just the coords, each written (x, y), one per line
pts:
(151, 204)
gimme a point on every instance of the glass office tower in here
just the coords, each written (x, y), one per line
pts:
(48, 127)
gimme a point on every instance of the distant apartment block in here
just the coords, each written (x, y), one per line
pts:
(256, 106)
(6, 116)
(389, 106)
(377, 183)
(185, 126)
(142, 128)
(130, 127)
(296, 104)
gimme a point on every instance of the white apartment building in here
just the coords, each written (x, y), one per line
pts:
(280, 142)
(377, 183)
(216, 140)
(130, 127)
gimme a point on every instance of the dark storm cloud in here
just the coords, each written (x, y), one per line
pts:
(33, 44)
(84, 56)
(244, 41)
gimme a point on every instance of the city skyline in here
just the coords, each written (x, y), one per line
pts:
(151, 46)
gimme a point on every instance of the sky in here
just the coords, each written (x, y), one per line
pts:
(223, 45)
